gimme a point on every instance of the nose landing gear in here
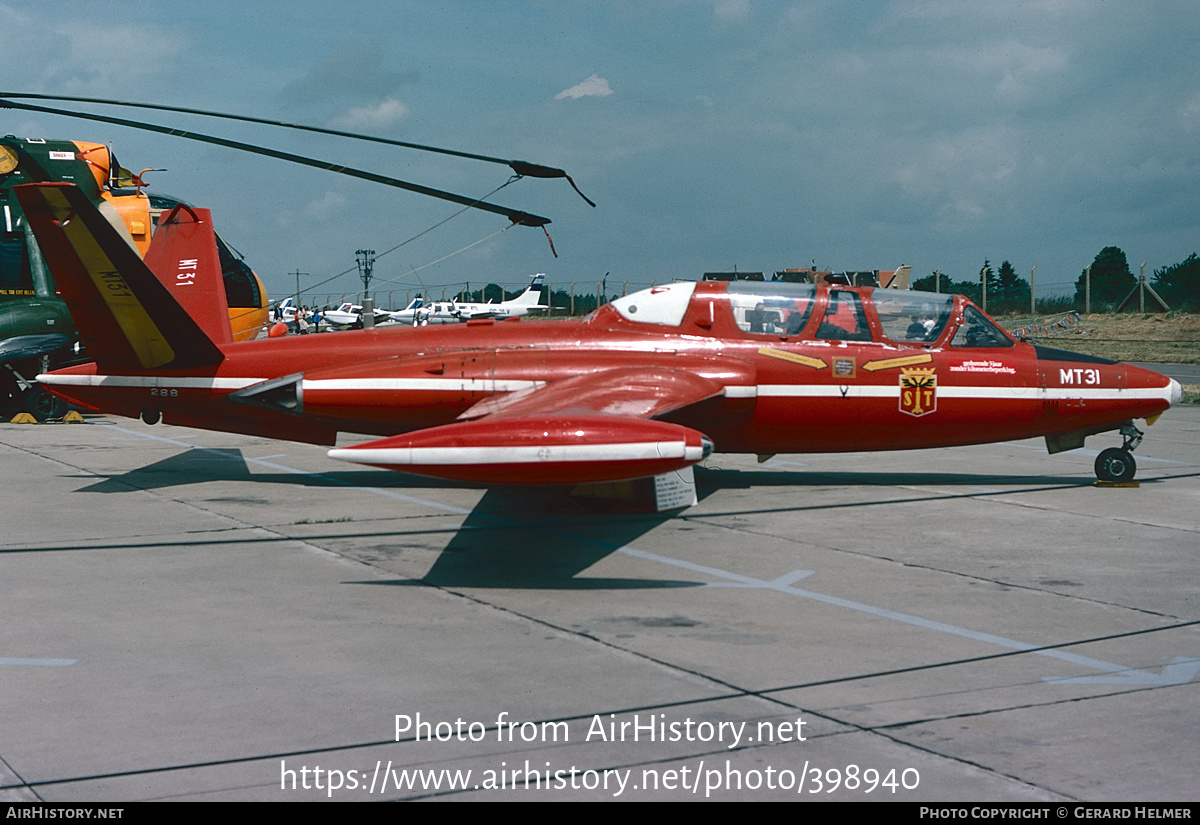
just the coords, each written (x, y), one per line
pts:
(1116, 464)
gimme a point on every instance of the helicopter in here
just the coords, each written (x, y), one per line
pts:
(36, 330)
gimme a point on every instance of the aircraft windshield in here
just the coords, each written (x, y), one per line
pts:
(844, 319)
(771, 308)
(977, 330)
(912, 317)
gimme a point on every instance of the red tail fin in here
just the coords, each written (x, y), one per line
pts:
(126, 318)
(183, 255)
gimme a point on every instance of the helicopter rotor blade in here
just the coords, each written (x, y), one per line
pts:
(520, 167)
(514, 215)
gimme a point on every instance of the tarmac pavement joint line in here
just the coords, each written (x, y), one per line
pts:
(1180, 671)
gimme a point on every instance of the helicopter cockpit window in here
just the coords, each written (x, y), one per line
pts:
(912, 317)
(771, 308)
(844, 319)
(978, 330)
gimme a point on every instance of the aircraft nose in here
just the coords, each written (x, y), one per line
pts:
(1176, 390)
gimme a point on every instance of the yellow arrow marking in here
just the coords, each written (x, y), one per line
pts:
(782, 355)
(889, 363)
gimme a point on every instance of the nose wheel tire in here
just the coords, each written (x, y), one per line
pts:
(1115, 464)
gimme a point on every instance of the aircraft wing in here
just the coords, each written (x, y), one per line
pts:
(586, 428)
(632, 392)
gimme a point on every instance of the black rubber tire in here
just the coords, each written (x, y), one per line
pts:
(43, 404)
(1115, 464)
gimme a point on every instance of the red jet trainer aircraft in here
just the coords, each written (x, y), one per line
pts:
(649, 384)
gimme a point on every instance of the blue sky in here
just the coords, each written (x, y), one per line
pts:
(856, 135)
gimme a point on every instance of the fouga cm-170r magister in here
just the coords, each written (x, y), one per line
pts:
(649, 384)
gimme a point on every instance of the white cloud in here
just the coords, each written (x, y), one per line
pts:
(382, 115)
(326, 206)
(594, 86)
(1191, 109)
(61, 54)
(731, 11)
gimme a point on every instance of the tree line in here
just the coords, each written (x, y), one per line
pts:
(1111, 282)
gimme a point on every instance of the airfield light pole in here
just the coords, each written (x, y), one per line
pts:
(365, 258)
(1033, 291)
(297, 273)
(937, 281)
(1087, 290)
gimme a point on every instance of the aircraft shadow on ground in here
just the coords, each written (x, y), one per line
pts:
(515, 537)
(543, 538)
(206, 465)
(539, 539)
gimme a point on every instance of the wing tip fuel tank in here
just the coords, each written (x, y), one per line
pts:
(538, 450)
(1176, 393)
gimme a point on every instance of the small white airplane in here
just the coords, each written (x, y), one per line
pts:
(419, 313)
(284, 311)
(350, 315)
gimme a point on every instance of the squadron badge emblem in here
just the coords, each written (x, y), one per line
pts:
(918, 391)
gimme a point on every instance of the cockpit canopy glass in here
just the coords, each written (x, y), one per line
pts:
(912, 317)
(771, 308)
(844, 319)
(978, 330)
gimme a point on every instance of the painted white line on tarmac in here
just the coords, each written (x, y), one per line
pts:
(1117, 674)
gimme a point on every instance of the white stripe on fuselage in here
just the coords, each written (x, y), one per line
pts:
(504, 386)
(893, 391)
(174, 382)
(441, 384)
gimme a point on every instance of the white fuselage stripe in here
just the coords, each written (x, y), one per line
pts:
(204, 383)
(982, 393)
(440, 384)
(489, 385)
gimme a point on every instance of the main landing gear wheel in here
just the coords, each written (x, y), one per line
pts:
(43, 404)
(1115, 464)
